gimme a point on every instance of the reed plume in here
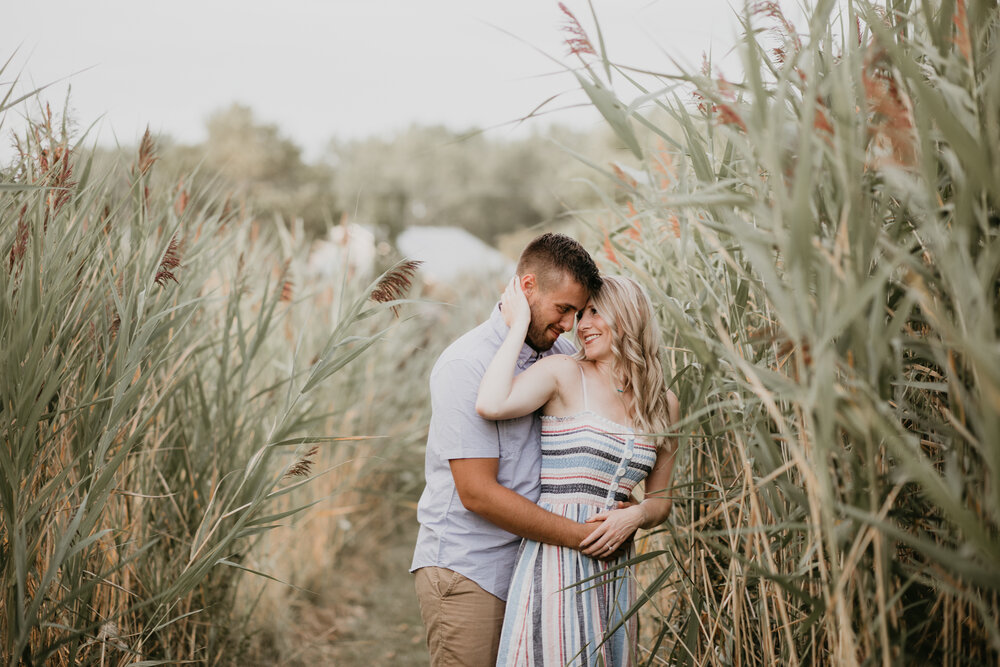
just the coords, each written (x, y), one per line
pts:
(170, 261)
(303, 466)
(395, 283)
(578, 42)
(147, 154)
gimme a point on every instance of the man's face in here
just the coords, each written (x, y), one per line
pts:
(553, 309)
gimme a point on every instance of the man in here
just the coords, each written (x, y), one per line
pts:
(483, 476)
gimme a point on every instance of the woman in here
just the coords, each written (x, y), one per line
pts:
(605, 412)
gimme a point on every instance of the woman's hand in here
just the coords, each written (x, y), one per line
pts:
(501, 395)
(614, 529)
(514, 305)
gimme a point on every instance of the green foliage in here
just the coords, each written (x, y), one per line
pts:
(823, 240)
(160, 387)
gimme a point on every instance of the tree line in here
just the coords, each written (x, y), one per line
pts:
(487, 182)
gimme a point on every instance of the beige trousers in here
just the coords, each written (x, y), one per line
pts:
(462, 620)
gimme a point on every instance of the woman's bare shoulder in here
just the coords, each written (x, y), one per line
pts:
(564, 369)
(560, 365)
(566, 372)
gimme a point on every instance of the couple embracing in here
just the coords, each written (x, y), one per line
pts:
(533, 452)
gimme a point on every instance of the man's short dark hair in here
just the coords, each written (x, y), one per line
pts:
(552, 254)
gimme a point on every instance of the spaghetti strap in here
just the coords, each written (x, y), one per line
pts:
(583, 385)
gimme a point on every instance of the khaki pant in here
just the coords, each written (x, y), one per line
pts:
(462, 620)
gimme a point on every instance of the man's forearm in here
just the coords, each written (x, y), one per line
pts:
(516, 514)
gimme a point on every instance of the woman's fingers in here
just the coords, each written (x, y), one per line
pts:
(514, 304)
(602, 541)
(597, 540)
(508, 293)
(601, 549)
(508, 303)
(614, 528)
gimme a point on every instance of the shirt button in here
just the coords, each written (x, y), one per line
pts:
(620, 471)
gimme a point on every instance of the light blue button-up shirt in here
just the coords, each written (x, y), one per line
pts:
(451, 536)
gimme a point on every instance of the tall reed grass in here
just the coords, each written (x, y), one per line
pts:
(822, 239)
(165, 395)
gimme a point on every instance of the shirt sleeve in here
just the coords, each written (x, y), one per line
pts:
(457, 431)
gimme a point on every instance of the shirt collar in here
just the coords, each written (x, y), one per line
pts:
(527, 355)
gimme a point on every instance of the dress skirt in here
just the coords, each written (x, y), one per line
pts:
(562, 605)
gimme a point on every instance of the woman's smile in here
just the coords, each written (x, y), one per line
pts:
(591, 329)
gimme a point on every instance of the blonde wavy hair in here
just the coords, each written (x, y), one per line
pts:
(635, 343)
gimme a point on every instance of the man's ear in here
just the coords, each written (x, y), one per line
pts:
(528, 284)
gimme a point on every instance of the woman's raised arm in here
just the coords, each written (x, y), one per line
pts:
(501, 395)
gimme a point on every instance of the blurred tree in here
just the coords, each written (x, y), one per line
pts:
(434, 176)
(250, 163)
(249, 152)
(257, 160)
(488, 184)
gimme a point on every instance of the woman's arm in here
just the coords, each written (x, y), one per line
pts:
(616, 526)
(501, 395)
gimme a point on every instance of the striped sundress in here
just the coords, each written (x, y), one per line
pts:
(588, 464)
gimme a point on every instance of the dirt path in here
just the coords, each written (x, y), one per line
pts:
(369, 614)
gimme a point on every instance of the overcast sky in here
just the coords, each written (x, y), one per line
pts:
(332, 68)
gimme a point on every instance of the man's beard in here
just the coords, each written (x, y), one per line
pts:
(537, 336)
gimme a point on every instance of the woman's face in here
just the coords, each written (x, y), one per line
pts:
(594, 333)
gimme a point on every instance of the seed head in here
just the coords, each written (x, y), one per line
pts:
(785, 29)
(303, 466)
(171, 260)
(729, 117)
(959, 18)
(890, 111)
(20, 241)
(147, 154)
(578, 42)
(675, 225)
(395, 283)
(609, 250)
(623, 177)
(183, 197)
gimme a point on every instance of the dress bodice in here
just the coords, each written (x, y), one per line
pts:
(591, 460)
